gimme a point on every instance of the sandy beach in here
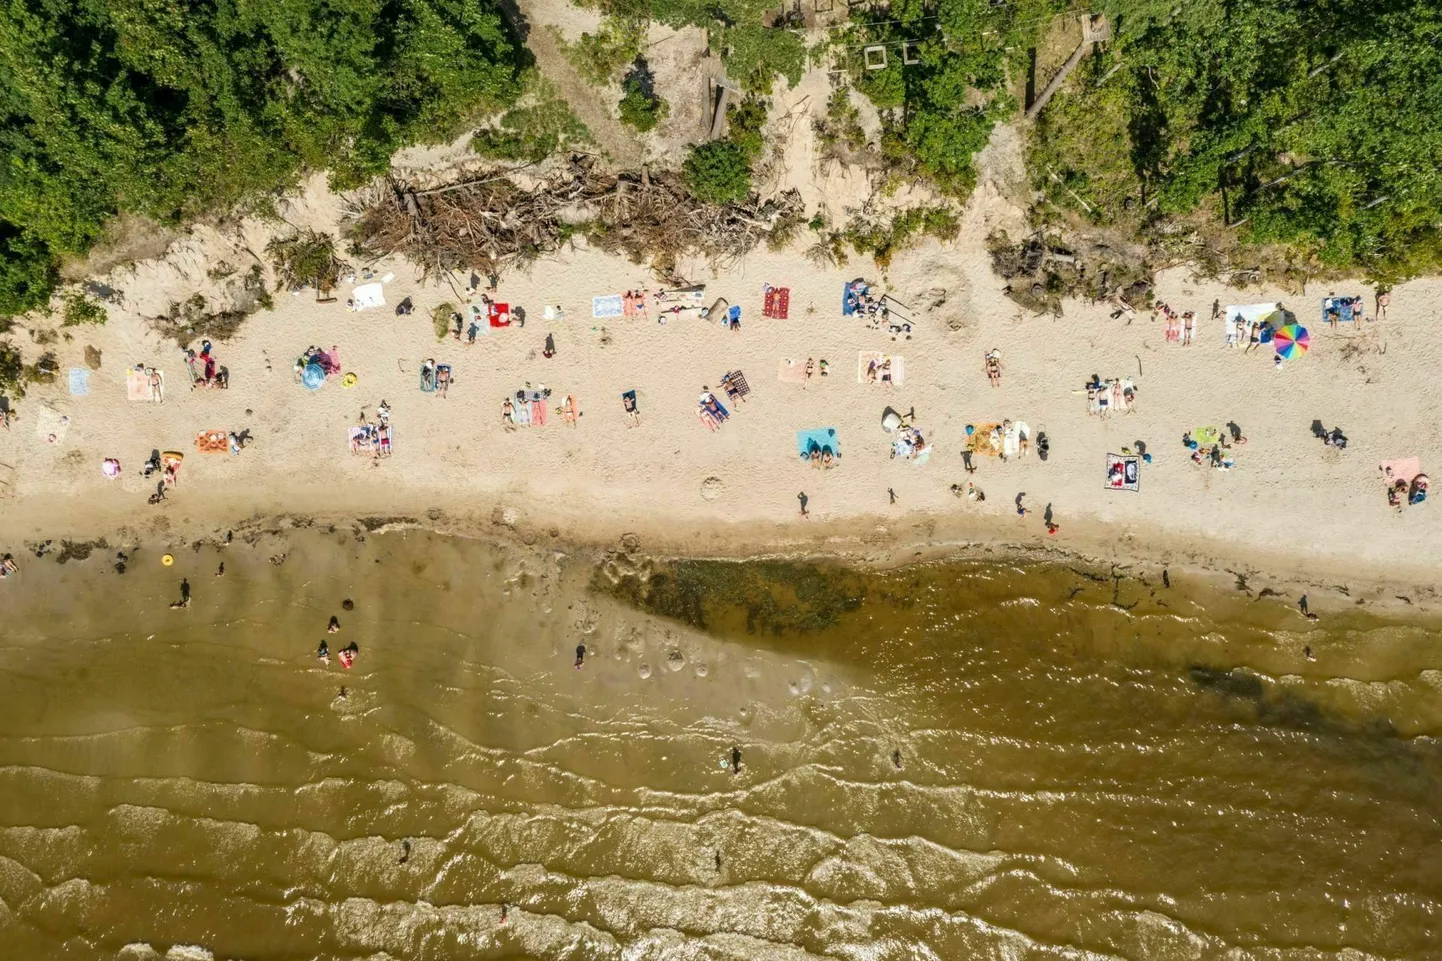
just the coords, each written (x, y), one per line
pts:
(1290, 507)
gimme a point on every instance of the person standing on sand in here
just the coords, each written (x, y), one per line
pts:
(803, 499)
(891, 492)
(1021, 510)
(735, 760)
(1302, 604)
(1384, 297)
(184, 594)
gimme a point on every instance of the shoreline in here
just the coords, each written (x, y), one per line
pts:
(862, 543)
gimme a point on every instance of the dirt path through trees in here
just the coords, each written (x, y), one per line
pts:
(587, 101)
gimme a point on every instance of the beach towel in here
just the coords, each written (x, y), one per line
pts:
(817, 441)
(865, 358)
(1238, 321)
(1011, 441)
(1401, 469)
(1123, 473)
(49, 422)
(360, 439)
(498, 315)
(79, 381)
(735, 384)
(212, 442)
(850, 296)
(1349, 309)
(607, 306)
(683, 296)
(137, 385)
(792, 372)
(538, 413)
(777, 302)
(707, 421)
(1207, 436)
(985, 439)
(368, 295)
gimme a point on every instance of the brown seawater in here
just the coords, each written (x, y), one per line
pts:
(1088, 766)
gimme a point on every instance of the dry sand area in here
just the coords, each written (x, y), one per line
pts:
(1291, 506)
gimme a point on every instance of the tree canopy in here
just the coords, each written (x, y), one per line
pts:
(1312, 125)
(172, 107)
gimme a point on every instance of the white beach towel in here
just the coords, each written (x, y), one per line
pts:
(368, 295)
(610, 305)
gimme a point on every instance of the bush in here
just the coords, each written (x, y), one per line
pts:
(12, 371)
(755, 54)
(307, 259)
(545, 125)
(717, 172)
(27, 273)
(79, 310)
(640, 107)
(744, 123)
(600, 56)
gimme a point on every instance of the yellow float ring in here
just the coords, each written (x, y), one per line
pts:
(168, 559)
(348, 380)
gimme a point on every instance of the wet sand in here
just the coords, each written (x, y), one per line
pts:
(1090, 766)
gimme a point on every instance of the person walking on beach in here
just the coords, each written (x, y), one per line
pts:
(1302, 604)
(802, 498)
(735, 760)
(1021, 510)
(580, 655)
(184, 594)
(891, 492)
(1384, 297)
(1051, 525)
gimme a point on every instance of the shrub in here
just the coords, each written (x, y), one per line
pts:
(717, 172)
(600, 56)
(755, 54)
(306, 259)
(744, 122)
(640, 107)
(79, 310)
(533, 132)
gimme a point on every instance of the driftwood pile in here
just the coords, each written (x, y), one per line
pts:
(493, 223)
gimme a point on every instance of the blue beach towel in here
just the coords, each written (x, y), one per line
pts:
(79, 381)
(608, 306)
(852, 288)
(818, 440)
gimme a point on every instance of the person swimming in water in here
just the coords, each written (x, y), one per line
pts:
(405, 851)
(334, 625)
(896, 758)
(323, 652)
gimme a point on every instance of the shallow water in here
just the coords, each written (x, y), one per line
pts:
(1089, 767)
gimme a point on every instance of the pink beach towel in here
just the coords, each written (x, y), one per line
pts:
(792, 372)
(538, 413)
(1401, 469)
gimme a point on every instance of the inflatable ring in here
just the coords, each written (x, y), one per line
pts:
(348, 380)
(168, 559)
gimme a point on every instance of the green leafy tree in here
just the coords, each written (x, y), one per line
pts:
(640, 107)
(717, 172)
(174, 108)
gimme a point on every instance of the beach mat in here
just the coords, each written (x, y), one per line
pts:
(79, 381)
(50, 422)
(863, 362)
(1401, 469)
(1123, 473)
(792, 372)
(1346, 313)
(607, 306)
(683, 296)
(137, 385)
(983, 441)
(776, 302)
(822, 437)
(212, 442)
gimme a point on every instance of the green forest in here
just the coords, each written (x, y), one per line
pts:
(168, 108)
(1308, 125)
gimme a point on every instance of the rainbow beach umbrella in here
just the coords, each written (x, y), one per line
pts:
(1291, 340)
